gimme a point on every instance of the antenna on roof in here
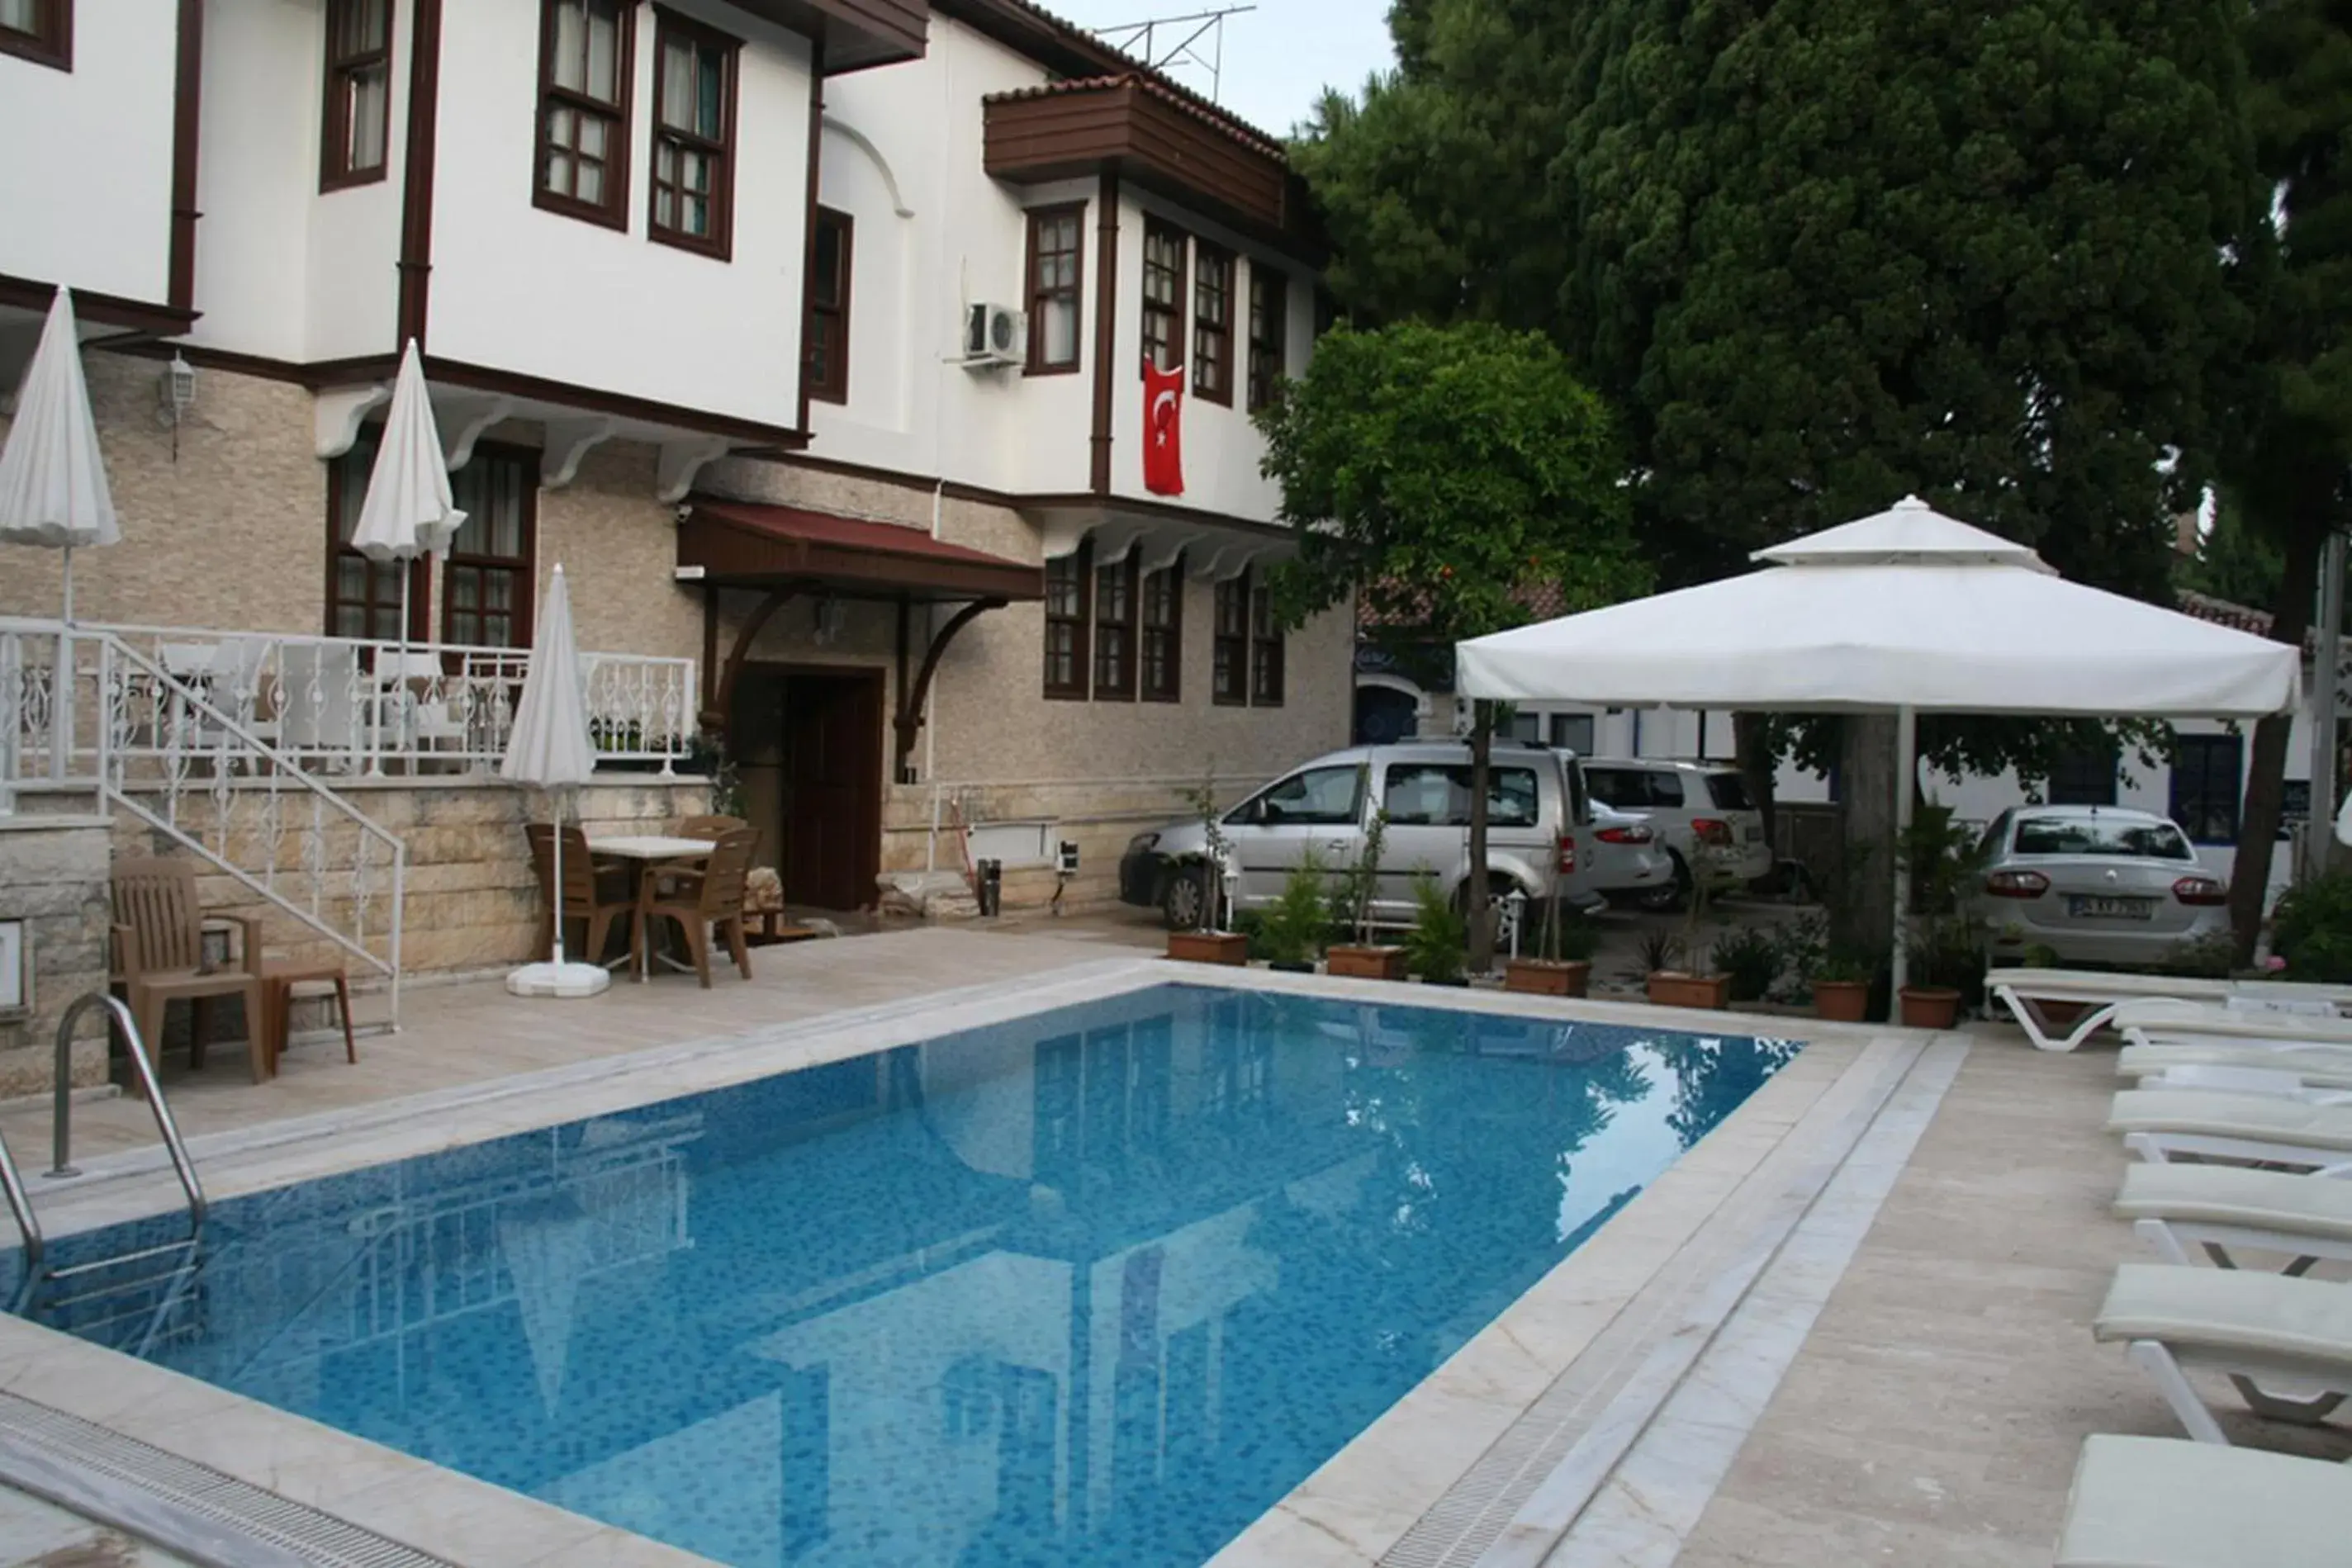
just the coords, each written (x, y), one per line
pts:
(1195, 41)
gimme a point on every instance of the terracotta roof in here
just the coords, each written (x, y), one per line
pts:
(1541, 601)
(748, 542)
(1160, 88)
(2221, 612)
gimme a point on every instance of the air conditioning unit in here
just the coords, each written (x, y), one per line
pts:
(995, 335)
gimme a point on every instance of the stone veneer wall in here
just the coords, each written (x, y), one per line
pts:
(472, 903)
(53, 877)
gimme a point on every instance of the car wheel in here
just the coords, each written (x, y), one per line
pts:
(1184, 898)
(1669, 896)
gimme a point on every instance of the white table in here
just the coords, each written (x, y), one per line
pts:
(647, 849)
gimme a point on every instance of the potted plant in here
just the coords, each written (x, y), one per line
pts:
(1564, 967)
(1439, 943)
(1352, 911)
(1691, 986)
(1209, 942)
(1944, 942)
(1293, 927)
(1842, 978)
(1750, 961)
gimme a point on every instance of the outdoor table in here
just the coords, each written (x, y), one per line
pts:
(645, 851)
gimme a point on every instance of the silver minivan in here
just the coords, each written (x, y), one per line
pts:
(1536, 810)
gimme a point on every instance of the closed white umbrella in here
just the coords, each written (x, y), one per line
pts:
(408, 511)
(52, 479)
(1902, 611)
(549, 747)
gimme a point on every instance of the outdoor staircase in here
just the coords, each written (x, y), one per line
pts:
(83, 710)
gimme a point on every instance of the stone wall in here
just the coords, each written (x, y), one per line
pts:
(472, 904)
(54, 881)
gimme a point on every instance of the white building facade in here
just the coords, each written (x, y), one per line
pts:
(694, 283)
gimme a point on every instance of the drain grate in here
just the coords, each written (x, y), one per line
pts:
(151, 1485)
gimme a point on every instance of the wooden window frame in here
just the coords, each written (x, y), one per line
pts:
(525, 567)
(1082, 668)
(613, 211)
(50, 43)
(1265, 648)
(1212, 342)
(828, 380)
(1036, 295)
(718, 245)
(1229, 649)
(2206, 747)
(335, 171)
(1173, 629)
(1169, 233)
(1125, 627)
(362, 452)
(1267, 353)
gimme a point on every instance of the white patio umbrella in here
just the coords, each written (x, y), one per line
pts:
(549, 747)
(408, 511)
(52, 478)
(1903, 610)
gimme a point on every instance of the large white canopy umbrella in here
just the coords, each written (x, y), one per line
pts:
(52, 479)
(408, 511)
(1902, 611)
(549, 747)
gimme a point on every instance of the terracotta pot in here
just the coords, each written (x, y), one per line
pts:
(1365, 963)
(1209, 948)
(2062, 1015)
(1673, 988)
(1841, 1001)
(1930, 1007)
(1544, 978)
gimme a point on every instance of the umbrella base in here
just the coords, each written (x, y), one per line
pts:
(558, 980)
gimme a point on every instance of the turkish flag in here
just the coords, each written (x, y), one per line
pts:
(1164, 429)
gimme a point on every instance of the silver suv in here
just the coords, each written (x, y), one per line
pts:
(1692, 806)
(1536, 810)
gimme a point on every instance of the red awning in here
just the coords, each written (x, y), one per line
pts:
(749, 544)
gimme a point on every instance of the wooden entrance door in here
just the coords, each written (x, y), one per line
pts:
(832, 787)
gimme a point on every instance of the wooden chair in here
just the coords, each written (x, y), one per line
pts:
(700, 898)
(711, 827)
(598, 898)
(158, 940)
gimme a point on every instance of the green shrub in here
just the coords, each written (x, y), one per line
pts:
(1577, 940)
(2311, 930)
(1750, 959)
(1295, 923)
(1439, 943)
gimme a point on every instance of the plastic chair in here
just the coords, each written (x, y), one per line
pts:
(159, 938)
(599, 898)
(699, 899)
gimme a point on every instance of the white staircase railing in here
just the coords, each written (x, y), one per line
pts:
(83, 711)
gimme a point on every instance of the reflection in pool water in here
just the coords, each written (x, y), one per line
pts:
(1098, 1286)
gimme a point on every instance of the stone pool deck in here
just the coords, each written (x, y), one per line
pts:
(1931, 1413)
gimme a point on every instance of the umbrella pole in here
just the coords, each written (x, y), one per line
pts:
(61, 737)
(1907, 780)
(555, 798)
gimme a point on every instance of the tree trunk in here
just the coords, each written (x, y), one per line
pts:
(1862, 906)
(2259, 815)
(1482, 912)
(1752, 735)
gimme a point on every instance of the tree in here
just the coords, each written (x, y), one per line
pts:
(1441, 473)
(2289, 463)
(1820, 253)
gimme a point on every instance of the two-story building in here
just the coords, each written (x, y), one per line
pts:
(812, 337)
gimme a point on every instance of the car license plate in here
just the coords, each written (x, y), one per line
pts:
(2083, 907)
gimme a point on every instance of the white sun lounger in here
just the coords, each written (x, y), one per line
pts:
(2099, 994)
(2174, 1206)
(2293, 1335)
(2158, 1022)
(2159, 1123)
(2158, 1503)
(2326, 1069)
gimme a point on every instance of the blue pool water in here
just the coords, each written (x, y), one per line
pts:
(1098, 1286)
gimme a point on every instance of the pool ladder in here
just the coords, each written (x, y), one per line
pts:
(176, 1278)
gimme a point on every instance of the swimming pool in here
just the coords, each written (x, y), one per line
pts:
(1100, 1284)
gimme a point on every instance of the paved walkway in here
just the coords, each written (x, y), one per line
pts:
(1934, 1415)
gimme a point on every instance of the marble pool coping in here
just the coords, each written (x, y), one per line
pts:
(1354, 1510)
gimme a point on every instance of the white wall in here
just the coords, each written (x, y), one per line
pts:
(909, 137)
(86, 185)
(519, 289)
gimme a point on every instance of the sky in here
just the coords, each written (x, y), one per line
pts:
(1278, 57)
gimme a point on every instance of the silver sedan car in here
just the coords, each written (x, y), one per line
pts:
(2094, 885)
